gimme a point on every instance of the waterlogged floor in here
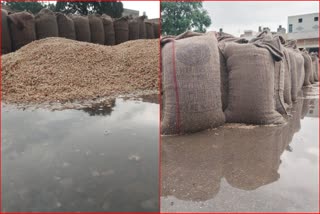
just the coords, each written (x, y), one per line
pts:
(246, 168)
(95, 159)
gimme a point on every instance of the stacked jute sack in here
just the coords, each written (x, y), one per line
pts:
(213, 78)
(21, 28)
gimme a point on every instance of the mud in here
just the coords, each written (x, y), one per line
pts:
(242, 168)
(101, 158)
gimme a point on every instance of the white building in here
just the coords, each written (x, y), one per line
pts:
(304, 29)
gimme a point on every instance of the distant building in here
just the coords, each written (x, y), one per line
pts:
(248, 34)
(304, 29)
(129, 12)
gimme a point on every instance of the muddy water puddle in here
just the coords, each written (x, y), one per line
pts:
(103, 158)
(246, 168)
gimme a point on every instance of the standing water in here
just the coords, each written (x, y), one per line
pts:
(243, 168)
(94, 159)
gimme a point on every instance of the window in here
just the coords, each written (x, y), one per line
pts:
(300, 20)
(316, 19)
(290, 28)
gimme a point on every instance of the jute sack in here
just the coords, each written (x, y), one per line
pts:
(108, 30)
(142, 27)
(149, 30)
(273, 44)
(315, 62)
(82, 27)
(6, 39)
(22, 29)
(251, 71)
(223, 38)
(191, 84)
(65, 26)
(287, 77)
(300, 69)
(293, 56)
(133, 29)
(307, 68)
(96, 29)
(46, 24)
(121, 30)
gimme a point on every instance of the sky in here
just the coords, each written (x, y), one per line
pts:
(152, 8)
(235, 17)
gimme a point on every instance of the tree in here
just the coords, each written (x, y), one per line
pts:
(32, 7)
(113, 9)
(178, 17)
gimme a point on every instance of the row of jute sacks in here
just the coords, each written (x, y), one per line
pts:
(213, 78)
(21, 28)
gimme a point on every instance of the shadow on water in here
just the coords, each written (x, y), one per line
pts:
(195, 168)
(70, 161)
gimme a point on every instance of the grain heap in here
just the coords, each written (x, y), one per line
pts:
(63, 70)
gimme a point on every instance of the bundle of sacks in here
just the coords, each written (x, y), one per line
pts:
(213, 78)
(21, 28)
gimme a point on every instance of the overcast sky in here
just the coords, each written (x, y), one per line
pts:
(235, 17)
(152, 8)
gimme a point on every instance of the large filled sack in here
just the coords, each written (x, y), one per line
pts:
(82, 27)
(156, 30)
(142, 27)
(300, 69)
(6, 39)
(121, 30)
(65, 26)
(133, 29)
(315, 63)
(252, 87)
(287, 77)
(191, 84)
(22, 29)
(96, 29)
(46, 24)
(307, 69)
(222, 39)
(293, 57)
(108, 30)
(149, 30)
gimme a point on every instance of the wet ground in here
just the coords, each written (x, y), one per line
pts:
(103, 158)
(243, 168)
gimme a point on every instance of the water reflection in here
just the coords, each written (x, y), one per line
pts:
(101, 109)
(248, 157)
(70, 161)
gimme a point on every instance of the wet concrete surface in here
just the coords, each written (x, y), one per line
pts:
(243, 168)
(103, 158)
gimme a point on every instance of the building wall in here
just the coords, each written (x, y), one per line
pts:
(308, 23)
(129, 12)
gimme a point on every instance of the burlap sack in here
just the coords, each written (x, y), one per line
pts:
(287, 78)
(65, 26)
(82, 28)
(149, 30)
(251, 84)
(315, 63)
(22, 29)
(133, 29)
(6, 39)
(223, 38)
(96, 29)
(142, 27)
(293, 56)
(307, 69)
(121, 30)
(191, 85)
(156, 30)
(299, 69)
(108, 30)
(46, 24)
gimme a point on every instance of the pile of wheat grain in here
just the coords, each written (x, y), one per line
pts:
(62, 70)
